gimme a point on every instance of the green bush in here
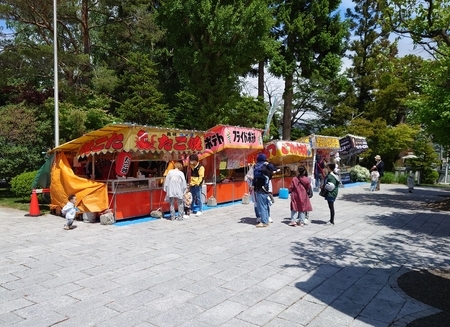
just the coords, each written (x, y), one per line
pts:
(388, 178)
(429, 176)
(359, 174)
(21, 184)
(402, 179)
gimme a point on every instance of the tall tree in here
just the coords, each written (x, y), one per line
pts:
(311, 40)
(370, 42)
(428, 24)
(213, 43)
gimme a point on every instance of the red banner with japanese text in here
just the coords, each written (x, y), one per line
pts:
(145, 140)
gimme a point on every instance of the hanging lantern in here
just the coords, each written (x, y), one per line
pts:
(123, 163)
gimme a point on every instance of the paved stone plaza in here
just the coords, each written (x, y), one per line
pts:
(219, 270)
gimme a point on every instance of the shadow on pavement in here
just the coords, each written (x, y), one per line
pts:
(401, 198)
(352, 277)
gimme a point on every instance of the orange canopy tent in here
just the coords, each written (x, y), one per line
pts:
(281, 152)
(151, 143)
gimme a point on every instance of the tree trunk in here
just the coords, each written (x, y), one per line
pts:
(85, 27)
(287, 109)
(261, 81)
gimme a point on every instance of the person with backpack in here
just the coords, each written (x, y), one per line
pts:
(261, 175)
(300, 203)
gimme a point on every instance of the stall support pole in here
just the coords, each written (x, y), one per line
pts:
(215, 177)
(93, 167)
(314, 152)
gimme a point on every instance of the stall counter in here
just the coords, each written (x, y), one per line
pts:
(235, 190)
(135, 197)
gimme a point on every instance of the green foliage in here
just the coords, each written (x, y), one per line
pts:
(429, 176)
(311, 39)
(359, 174)
(141, 102)
(248, 112)
(432, 108)
(21, 184)
(78, 116)
(22, 140)
(402, 179)
(388, 178)
(218, 43)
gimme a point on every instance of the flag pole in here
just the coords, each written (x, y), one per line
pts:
(55, 72)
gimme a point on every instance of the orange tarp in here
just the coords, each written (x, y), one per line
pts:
(91, 196)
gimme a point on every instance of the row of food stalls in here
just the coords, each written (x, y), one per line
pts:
(116, 153)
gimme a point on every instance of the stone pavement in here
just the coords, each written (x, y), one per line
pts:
(219, 270)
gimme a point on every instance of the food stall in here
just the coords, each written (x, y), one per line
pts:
(327, 147)
(286, 155)
(227, 149)
(350, 148)
(129, 193)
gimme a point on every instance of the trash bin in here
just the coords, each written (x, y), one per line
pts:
(283, 193)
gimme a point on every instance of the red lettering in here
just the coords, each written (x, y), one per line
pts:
(195, 143)
(100, 144)
(118, 142)
(285, 148)
(180, 144)
(115, 141)
(165, 143)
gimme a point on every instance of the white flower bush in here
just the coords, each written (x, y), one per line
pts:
(359, 174)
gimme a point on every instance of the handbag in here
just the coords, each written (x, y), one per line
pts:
(310, 192)
(323, 192)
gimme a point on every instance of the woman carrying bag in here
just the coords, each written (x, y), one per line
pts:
(330, 190)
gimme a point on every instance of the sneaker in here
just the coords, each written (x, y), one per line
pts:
(66, 227)
(329, 223)
(293, 224)
(301, 224)
(199, 213)
(306, 221)
(172, 218)
(261, 225)
(186, 217)
(270, 220)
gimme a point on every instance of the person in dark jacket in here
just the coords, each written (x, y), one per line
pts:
(259, 182)
(331, 184)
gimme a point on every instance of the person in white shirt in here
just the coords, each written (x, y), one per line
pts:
(175, 188)
(70, 211)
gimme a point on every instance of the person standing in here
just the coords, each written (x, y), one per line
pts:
(331, 184)
(300, 203)
(261, 194)
(380, 167)
(374, 177)
(410, 182)
(197, 174)
(175, 188)
(319, 172)
(249, 179)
